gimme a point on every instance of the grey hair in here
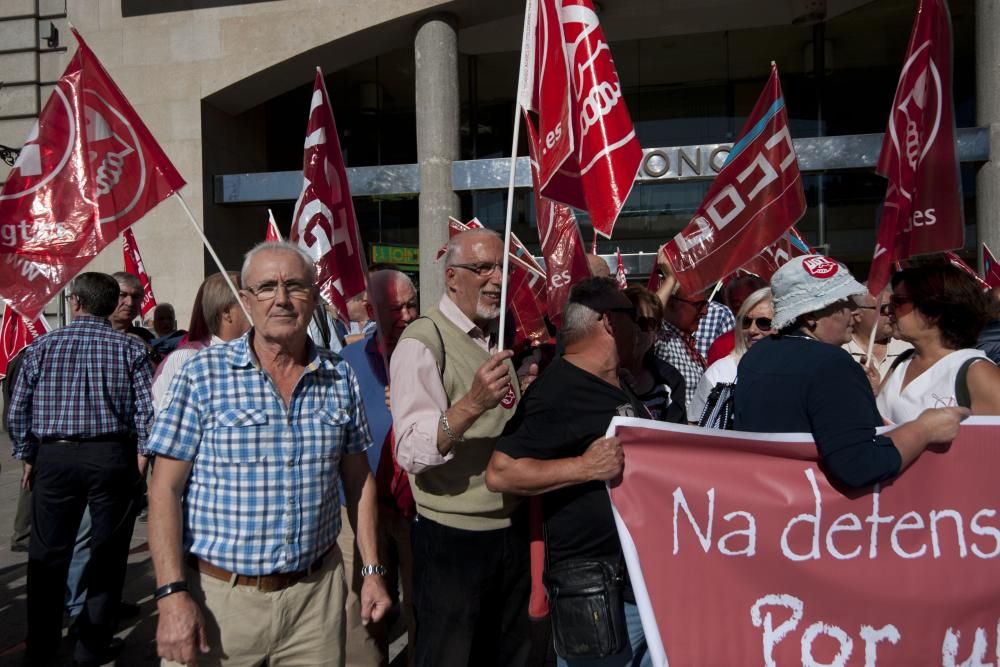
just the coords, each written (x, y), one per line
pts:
(752, 301)
(577, 321)
(129, 279)
(449, 255)
(279, 246)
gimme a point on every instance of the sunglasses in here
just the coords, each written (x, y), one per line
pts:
(763, 323)
(894, 303)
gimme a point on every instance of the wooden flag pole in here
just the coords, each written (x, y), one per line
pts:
(871, 338)
(211, 251)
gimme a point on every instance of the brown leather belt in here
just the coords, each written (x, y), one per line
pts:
(267, 583)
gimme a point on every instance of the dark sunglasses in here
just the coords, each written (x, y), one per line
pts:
(894, 303)
(763, 323)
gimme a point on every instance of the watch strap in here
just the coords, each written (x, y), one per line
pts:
(170, 589)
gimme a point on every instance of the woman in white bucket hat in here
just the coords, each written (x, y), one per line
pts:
(801, 381)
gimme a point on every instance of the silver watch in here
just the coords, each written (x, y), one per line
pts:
(373, 568)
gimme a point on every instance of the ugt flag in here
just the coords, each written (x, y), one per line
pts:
(324, 224)
(991, 270)
(16, 333)
(923, 203)
(755, 198)
(88, 169)
(134, 265)
(589, 152)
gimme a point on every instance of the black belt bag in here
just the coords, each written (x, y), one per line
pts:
(587, 606)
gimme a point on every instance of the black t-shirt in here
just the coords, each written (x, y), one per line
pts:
(562, 412)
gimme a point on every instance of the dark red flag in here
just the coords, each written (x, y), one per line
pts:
(589, 152)
(991, 270)
(16, 333)
(324, 224)
(134, 265)
(755, 198)
(88, 170)
(923, 203)
(773, 257)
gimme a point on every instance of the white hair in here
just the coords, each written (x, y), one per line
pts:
(752, 301)
(577, 320)
(453, 244)
(278, 246)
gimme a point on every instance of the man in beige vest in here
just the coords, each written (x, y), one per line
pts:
(452, 391)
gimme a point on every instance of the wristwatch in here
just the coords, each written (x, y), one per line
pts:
(373, 568)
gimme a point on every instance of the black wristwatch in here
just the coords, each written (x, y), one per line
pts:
(170, 589)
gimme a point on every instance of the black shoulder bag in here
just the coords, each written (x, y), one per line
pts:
(718, 412)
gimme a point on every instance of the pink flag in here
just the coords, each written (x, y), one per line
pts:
(755, 198)
(590, 153)
(134, 265)
(16, 333)
(620, 276)
(88, 169)
(324, 224)
(273, 234)
(923, 203)
(991, 270)
(791, 244)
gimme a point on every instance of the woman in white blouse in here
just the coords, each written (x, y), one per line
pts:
(753, 322)
(940, 310)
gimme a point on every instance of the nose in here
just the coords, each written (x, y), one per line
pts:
(281, 294)
(407, 315)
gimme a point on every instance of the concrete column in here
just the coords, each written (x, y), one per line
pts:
(988, 115)
(436, 57)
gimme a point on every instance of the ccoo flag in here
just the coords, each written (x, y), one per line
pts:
(589, 152)
(324, 224)
(755, 198)
(134, 265)
(773, 257)
(923, 203)
(88, 170)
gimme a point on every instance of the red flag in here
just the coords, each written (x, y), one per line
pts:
(88, 170)
(324, 224)
(559, 236)
(272, 234)
(16, 333)
(620, 271)
(754, 199)
(958, 263)
(991, 270)
(790, 244)
(923, 203)
(590, 153)
(134, 265)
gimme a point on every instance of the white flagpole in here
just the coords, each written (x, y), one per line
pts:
(211, 251)
(871, 338)
(510, 181)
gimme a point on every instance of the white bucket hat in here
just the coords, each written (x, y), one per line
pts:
(809, 283)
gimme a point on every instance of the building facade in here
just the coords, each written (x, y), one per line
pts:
(423, 93)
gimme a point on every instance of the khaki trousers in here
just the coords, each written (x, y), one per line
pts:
(302, 625)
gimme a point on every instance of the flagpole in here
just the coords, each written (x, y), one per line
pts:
(211, 251)
(871, 336)
(510, 182)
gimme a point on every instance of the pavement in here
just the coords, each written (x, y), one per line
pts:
(138, 633)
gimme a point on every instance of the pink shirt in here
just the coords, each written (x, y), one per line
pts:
(418, 397)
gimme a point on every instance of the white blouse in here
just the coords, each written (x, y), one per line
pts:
(723, 370)
(934, 388)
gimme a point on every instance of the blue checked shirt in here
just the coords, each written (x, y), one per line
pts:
(81, 381)
(262, 496)
(717, 321)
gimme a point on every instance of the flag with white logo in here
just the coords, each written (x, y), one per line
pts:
(88, 170)
(922, 212)
(773, 257)
(134, 265)
(324, 224)
(755, 198)
(16, 333)
(589, 153)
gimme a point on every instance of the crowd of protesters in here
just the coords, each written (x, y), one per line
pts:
(312, 483)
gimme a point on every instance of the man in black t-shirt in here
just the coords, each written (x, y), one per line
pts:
(554, 444)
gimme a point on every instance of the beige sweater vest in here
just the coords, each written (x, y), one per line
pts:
(454, 494)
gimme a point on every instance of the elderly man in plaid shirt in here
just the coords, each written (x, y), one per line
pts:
(79, 415)
(250, 443)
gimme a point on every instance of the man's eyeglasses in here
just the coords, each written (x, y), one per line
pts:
(293, 288)
(763, 323)
(480, 268)
(894, 303)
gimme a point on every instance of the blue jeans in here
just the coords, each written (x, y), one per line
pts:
(76, 590)
(634, 655)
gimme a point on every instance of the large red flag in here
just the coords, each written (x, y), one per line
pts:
(755, 198)
(89, 169)
(16, 333)
(134, 265)
(923, 203)
(559, 236)
(590, 153)
(991, 270)
(773, 257)
(324, 224)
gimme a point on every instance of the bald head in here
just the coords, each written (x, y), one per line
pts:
(473, 274)
(598, 267)
(392, 302)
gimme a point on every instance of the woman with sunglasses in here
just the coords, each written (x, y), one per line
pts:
(800, 380)
(753, 321)
(656, 383)
(940, 310)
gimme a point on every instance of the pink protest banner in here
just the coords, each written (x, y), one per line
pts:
(741, 552)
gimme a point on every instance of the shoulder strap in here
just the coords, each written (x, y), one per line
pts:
(903, 356)
(962, 395)
(319, 318)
